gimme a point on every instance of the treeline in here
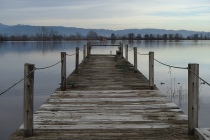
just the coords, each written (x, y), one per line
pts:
(47, 34)
(132, 36)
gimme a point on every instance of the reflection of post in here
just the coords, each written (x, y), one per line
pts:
(135, 59)
(193, 86)
(151, 70)
(28, 99)
(77, 60)
(63, 71)
(126, 52)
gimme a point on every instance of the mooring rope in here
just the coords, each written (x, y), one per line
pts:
(200, 77)
(72, 54)
(50, 65)
(17, 82)
(170, 65)
(33, 71)
(131, 49)
(183, 68)
(142, 54)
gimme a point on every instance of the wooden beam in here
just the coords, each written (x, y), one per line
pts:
(28, 99)
(88, 49)
(63, 71)
(135, 59)
(105, 45)
(121, 50)
(151, 70)
(193, 96)
(77, 60)
(126, 52)
(84, 53)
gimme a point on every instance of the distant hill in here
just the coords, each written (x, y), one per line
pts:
(32, 30)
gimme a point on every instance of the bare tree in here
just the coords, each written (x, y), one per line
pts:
(92, 35)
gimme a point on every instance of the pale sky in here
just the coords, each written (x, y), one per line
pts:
(109, 14)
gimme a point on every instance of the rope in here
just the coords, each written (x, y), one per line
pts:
(37, 69)
(17, 82)
(131, 49)
(49, 66)
(199, 77)
(33, 71)
(29, 74)
(170, 65)
(72, 54)
(142, 54)
(184, 68)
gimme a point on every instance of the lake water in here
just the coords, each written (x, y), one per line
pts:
(13, 55)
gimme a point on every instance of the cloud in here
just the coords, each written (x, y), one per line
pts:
(107, 14)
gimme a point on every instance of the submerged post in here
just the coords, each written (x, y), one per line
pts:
(151, 70)
(135, 59)
(77, 60)
(126, 52)
(28, 99)
(193, 91)
(63, 71)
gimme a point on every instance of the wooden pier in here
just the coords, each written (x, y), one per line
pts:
(107, 100)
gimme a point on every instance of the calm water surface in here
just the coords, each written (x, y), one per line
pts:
(13, 55)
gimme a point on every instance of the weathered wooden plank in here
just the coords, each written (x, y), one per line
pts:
(202, 133)
(111, 134)
(108, 102)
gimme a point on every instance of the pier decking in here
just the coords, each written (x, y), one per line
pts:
(107, 100)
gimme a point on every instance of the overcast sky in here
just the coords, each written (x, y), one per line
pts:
(109, 14)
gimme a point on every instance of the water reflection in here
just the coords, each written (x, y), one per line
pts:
(43, 47)
(46, 47)
(13, 55)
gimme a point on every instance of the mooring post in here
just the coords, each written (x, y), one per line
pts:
(88, 49)
(121, 50)
(151, 70)
(28, 99)
(84, 53)
(135, 59)
(77, 60)
(63, 71)
(126, 52)
(193, 97)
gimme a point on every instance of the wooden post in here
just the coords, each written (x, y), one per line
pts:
(151, 70)
(121, 49)
(63, 71)
(84, 53)
(28, 99)
(193, 95)
(77, 60)
(88, 49)
(135, 59)
(126, 52)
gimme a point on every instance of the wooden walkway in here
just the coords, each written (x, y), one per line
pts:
(109, 101)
